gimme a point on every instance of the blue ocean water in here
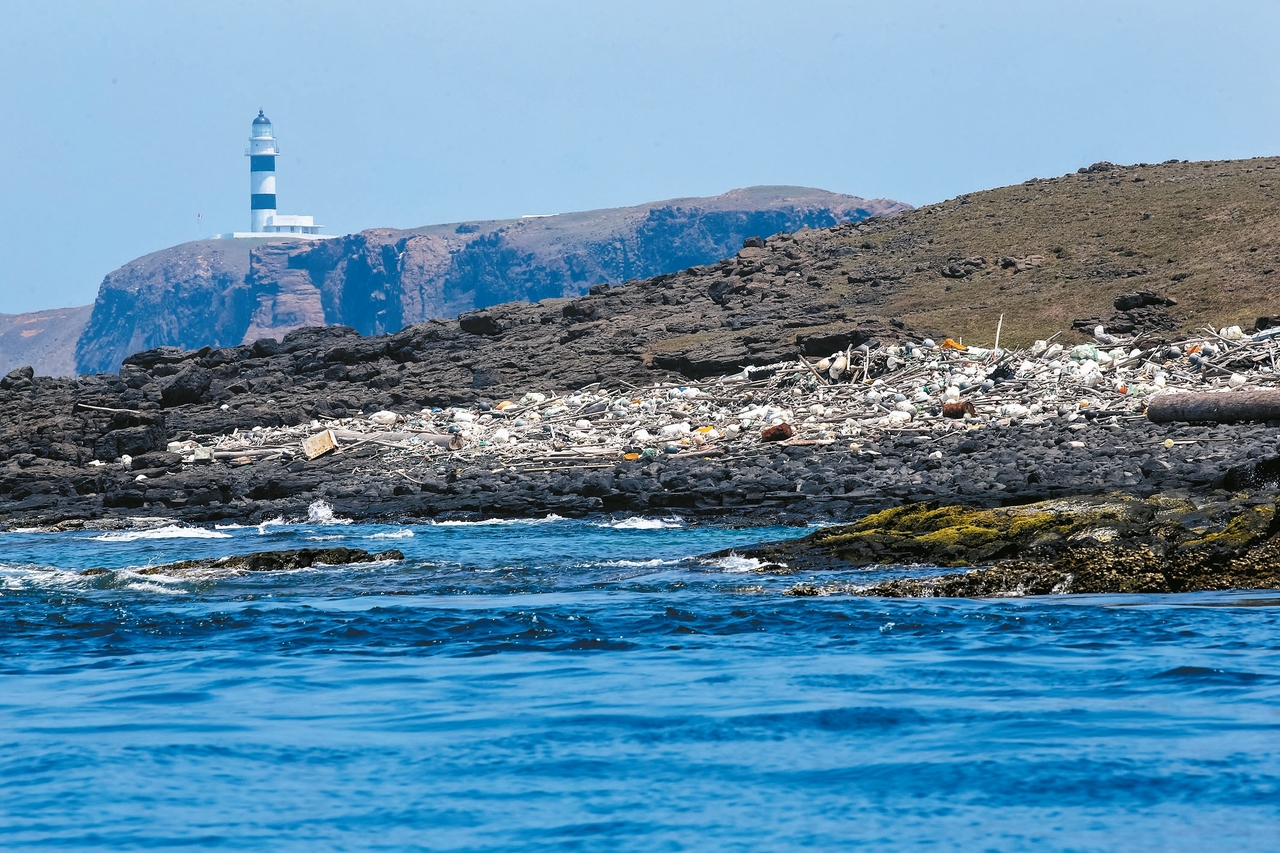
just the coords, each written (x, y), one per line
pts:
(583, 685)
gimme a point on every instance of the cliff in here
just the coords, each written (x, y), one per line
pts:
(223, 292)
(193, 293)
(45, 340)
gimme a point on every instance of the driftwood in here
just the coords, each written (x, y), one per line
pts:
(251, 452)
(78, 406)
(1223, 407)
(349, 437)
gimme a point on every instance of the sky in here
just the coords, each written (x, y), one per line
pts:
(123, 125)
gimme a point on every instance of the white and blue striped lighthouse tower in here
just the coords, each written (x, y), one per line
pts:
(263, 218)
(262, 155)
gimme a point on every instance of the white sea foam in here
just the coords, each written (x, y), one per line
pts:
(320, 512)
(734, 563)
(404, 533)
(498, 522)
(150, 586)
(262, 528)
(637, 564)
(372, 564)
(169, 531)
(639, 523)
(328, 538)
(18, 576)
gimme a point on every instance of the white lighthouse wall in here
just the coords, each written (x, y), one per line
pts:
(262, 145)
(262, 182)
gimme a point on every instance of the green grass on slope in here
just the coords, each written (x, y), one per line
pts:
(1205, 234)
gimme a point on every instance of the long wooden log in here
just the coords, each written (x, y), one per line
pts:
(1222, 407)
(349, 437)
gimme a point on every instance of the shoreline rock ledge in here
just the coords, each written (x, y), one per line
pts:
(1118, 544)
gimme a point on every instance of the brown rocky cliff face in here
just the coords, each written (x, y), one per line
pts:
(222, 293)
(190, 293)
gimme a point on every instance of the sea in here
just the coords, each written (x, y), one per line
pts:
(591, 684)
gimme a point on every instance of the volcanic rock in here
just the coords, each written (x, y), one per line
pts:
(268, 561)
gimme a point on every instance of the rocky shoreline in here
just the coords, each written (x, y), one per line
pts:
(1113, 544)
(1086, 496)
(156, 442)
(993, 467)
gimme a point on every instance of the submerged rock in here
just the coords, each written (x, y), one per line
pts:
(268, 561)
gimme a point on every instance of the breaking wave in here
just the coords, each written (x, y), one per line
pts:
(734, 563)
(641, 523)
(404, 533)
(169, 531)
(499, 522)
(320, 512)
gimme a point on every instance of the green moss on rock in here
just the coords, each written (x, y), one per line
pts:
(1124, 545)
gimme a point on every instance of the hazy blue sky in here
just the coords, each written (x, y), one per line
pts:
(120, 122)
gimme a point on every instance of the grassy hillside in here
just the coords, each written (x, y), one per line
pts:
(1206, 234)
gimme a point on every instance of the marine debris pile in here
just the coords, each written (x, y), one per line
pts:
(853, 395)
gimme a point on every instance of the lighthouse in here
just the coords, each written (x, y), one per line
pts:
(263, 218)
(262, 155)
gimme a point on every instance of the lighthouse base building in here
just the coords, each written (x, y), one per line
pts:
(264, 221)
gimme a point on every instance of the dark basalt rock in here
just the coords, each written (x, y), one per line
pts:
(480, 323)
(269, 561)
(187, 386)
(824, 344)
(1141, 299)
(1255, 474)
(131, 441)
(18, 379)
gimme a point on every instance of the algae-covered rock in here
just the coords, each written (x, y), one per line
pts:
(961, 536)
(1096, 545)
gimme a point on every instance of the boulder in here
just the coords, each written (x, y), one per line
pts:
(188, 385)
(18, 380)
